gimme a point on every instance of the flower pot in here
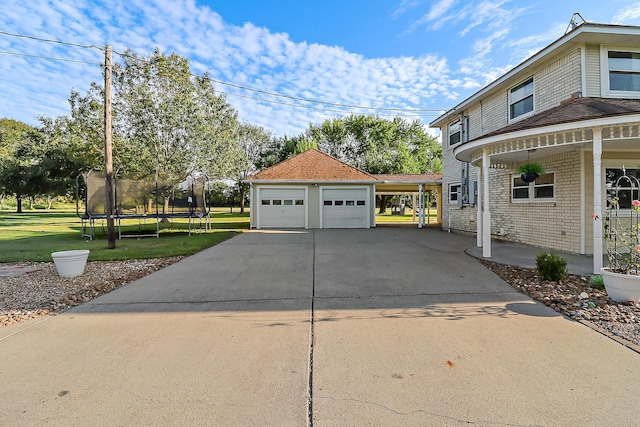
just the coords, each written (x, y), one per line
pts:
(529, 177)
(70, 263)
(621, 287)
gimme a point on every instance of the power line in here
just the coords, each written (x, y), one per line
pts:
(49, 58)
(51, 41)
(333, 104)
(398, 111)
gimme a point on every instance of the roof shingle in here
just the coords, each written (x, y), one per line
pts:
(312, 165)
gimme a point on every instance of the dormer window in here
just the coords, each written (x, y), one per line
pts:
(521, 99)
(455, 132)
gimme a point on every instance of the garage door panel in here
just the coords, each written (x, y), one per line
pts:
(345, 208)
(282, 208)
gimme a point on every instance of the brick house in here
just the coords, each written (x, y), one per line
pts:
(574, 107)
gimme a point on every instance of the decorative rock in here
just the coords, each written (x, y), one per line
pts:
(584, 295)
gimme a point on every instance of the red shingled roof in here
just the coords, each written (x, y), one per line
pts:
(312, 165)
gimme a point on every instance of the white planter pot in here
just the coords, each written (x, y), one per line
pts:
(70, 263)
(621, 287)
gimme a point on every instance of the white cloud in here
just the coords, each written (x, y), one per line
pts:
(244, 55)
(628, 15)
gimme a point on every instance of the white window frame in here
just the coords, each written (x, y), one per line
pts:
(457, 192)
(513, 100)
(532, 193)
(604, 75)
(457, 122)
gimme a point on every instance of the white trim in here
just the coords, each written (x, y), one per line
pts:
(597, 200)
(562, 127)
(486, 213)
(510, 101)
(531, 187)
(583, 204)
(449, 192)
(583, 69)
(605, 88)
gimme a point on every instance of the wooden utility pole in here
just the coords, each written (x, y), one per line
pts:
(110, 192)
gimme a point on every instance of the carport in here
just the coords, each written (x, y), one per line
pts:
(424, 189)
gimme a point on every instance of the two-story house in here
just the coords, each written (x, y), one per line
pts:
(574, 107)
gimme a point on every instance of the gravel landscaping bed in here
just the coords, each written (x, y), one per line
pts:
(41, 291)
(576, 298)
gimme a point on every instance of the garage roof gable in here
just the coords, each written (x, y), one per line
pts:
(312, 165)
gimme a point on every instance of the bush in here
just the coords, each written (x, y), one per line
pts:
(551, 266)
(597, 282)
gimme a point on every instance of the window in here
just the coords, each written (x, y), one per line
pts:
(360, 203)
(350, 203)
(455, 132)
(266, 202)
(541, 190)
(624, 71)
(338, 203)
(454, 193)
(277, 202)
(328, 203)
(288, 202)
(299, 202)
(521, 99)
(622, 188)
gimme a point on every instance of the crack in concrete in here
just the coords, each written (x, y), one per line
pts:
(311, 335)
(426, 412)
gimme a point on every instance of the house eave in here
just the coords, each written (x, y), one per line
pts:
(527, 140)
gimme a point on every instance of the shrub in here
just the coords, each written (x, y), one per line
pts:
(597, 282)
(551, 266)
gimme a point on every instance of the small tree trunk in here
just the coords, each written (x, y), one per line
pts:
(49, 202)
(242, 191)
(165, 209)
(18, 204)
(31, 200)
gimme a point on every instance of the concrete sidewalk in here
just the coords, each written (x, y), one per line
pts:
(389, 327)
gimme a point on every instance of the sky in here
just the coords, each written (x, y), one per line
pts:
(285, 64)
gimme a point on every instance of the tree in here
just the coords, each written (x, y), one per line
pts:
(174, 120)
(250, 142)
(377, 145)
(30, 165)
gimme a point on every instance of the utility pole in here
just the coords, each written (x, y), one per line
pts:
(108, 151)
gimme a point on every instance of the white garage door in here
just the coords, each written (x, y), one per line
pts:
(282, 208)
(345, 208)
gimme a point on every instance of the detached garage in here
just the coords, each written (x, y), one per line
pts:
(312, 190)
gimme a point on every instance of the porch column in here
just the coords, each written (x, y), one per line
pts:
(597, 200)
(486, 214)
(421, 204)
(479, 203)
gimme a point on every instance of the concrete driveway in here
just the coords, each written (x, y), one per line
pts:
(388, 327)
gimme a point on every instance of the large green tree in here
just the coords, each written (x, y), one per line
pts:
(31, 165)
(251, 141)
(173, 119)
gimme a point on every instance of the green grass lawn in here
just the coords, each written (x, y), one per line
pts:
(407, 217)
(34, 235)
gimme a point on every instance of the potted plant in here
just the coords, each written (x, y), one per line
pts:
(621, 234)
(530, 171)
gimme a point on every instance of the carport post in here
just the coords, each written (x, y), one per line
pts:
(597, 200)
(479, 235)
